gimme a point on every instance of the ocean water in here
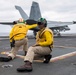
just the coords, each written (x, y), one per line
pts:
(4, 34)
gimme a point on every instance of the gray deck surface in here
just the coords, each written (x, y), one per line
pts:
(62, 67)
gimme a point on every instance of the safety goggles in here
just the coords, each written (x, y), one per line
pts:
(40, 23)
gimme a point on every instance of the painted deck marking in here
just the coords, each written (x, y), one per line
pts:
(52, 60)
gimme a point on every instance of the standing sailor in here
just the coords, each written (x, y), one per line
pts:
(18, 38)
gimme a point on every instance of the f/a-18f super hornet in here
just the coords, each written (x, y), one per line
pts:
(35, 14)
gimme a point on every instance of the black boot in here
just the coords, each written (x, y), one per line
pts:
(27, 67)
(5, 59)
(47, 58)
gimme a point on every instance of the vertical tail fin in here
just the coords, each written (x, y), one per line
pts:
(35, 13)
(23, 14)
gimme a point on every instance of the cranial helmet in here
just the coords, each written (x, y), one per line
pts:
(43, 21)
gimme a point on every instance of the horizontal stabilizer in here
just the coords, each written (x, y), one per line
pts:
(74, 22)
(30, 21)
(6, 23)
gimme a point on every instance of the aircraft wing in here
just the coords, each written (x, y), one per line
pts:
(54, 24)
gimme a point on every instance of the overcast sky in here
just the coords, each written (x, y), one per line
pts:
(53, 10)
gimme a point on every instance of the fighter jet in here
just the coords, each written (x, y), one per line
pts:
(35, 14)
